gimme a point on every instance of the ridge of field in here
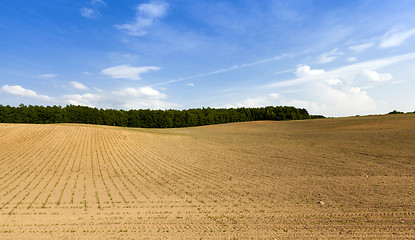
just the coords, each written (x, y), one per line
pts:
(326, 178)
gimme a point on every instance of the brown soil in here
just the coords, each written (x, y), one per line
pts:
(314, 179)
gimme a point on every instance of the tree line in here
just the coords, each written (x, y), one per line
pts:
(145, 118)
(399, 112)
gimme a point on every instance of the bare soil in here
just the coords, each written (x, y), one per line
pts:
(314, 179)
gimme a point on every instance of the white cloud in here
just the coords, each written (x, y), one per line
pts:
(329, 56)
(89, 13)
(346, 72)
(48, 75)
(311, 106)
(127, 71)
(153, 9)
(361, 47)
(333, 81)
(142, 98)
(142, 92)
(338, 92)
(377, 77)
(78, 85)
(352, 59)
(274, 95)
(332, 97)
(190, 84)
(304, 71)
(347, 100)
(22, 92)
(147, 15)
(394, 39)
(267, 100)
(88, 99)
(126, 98)
(86, 73)
(343, 100)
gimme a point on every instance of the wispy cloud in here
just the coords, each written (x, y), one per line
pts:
(89, 13)
(223, 70)
(98, 2)
(128, 72)
(48, 75)
(329, 56)
(92, 12)
(147, 15)
(352, 59)
(361, 47)
(394, 38)
(285, 71)
(23, 92)
(78, 86)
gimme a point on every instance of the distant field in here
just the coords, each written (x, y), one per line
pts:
(326, 178)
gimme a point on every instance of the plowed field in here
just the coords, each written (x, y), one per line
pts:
(329, 178)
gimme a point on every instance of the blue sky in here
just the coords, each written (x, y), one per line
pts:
(336, 58)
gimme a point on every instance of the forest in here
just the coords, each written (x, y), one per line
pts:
(145, 118)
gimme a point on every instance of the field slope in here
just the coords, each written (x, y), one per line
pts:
(326, 178)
